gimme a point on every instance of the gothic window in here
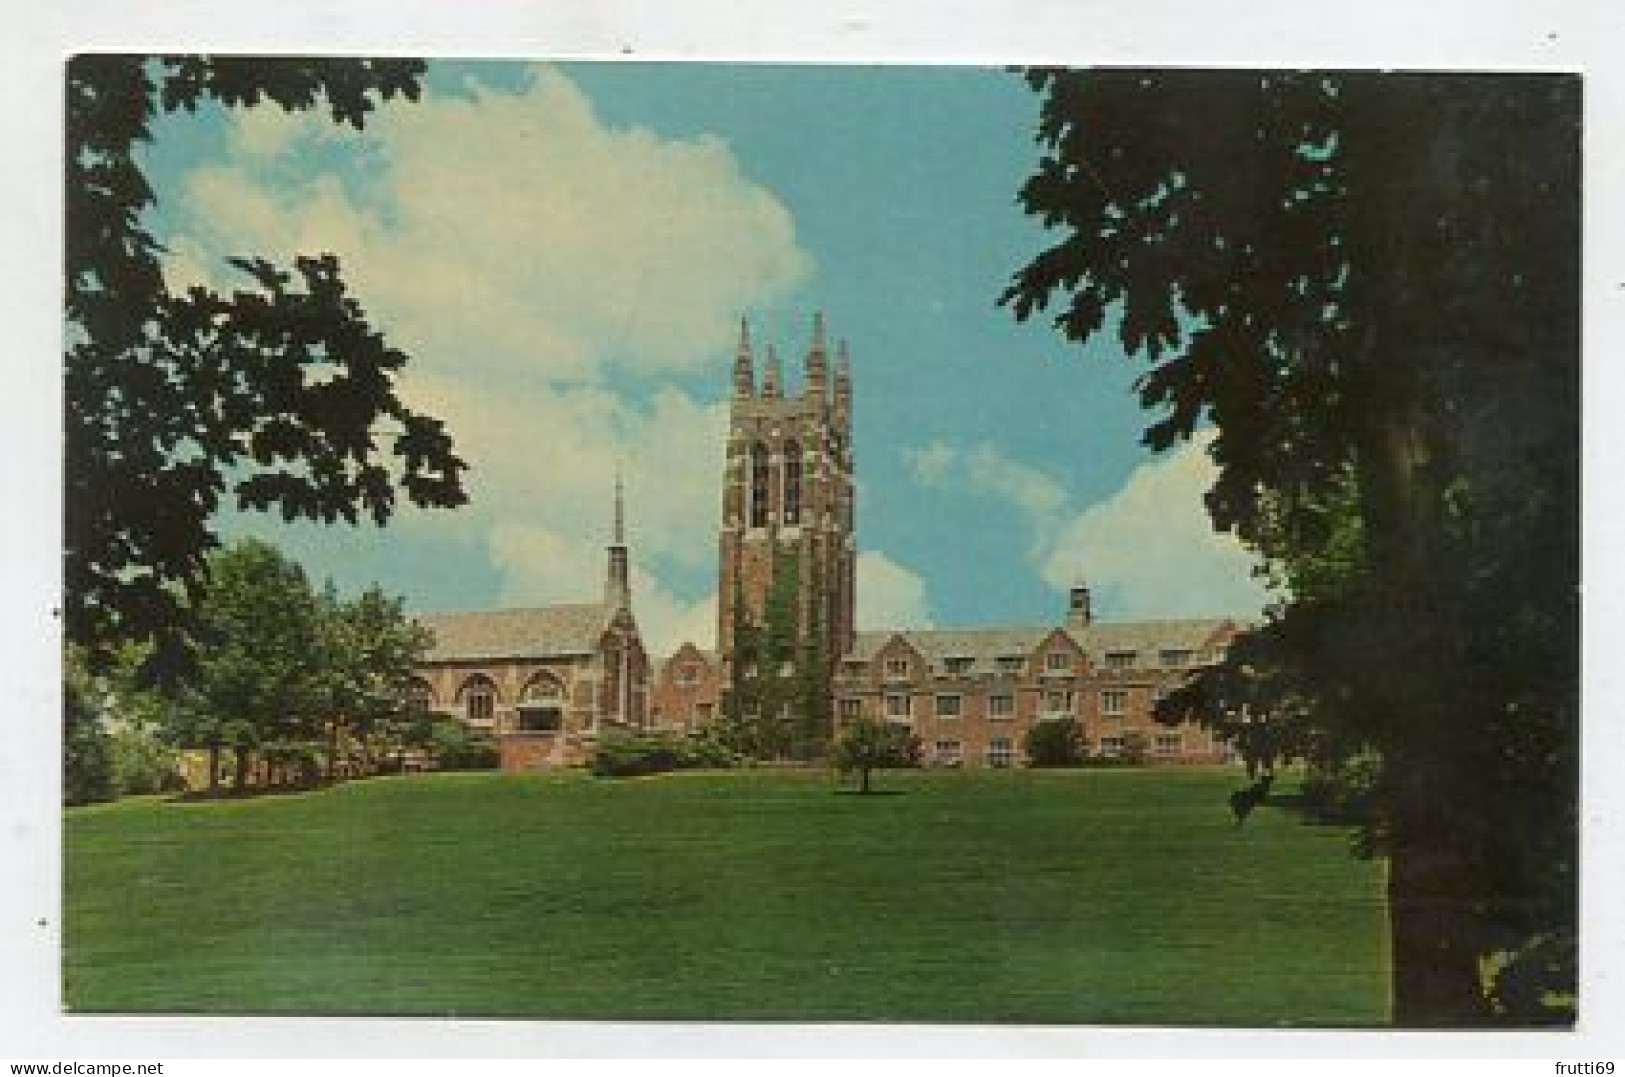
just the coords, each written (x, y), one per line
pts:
(479, 700)
(758, 485)
(792, 483)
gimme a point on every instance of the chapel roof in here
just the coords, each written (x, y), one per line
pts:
(536, 632)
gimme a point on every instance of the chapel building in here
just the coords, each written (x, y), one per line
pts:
(543, 681)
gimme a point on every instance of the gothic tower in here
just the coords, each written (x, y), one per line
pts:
(787, 503)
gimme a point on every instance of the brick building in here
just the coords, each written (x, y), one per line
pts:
(972, 694)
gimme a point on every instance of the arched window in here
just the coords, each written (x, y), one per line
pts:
(479, 698)
(792, 483)
(758, 485)
(541, 705)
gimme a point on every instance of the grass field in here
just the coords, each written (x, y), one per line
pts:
(1095, 897)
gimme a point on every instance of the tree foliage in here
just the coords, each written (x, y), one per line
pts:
(261, 679)
(278, 396)
(1369, 285)
(87, 759)
(370, 652)
(1056, 743)
(867, 745)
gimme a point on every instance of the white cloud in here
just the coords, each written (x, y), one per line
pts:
(1150, 549)
(523, 251)
(890, 595)
(1147, 551)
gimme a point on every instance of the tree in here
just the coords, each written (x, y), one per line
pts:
(87, 761)
(1058, 743)
(867, 745)
(371, 650)
(279, 396)
(1369, 285)
(260, 680)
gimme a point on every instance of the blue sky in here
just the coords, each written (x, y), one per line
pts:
(565, 251)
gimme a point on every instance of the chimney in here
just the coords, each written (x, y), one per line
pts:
(1078, 612)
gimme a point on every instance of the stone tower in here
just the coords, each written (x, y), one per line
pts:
(787, 496)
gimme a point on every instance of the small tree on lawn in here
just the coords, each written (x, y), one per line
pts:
(1058, 743)
(868, 745)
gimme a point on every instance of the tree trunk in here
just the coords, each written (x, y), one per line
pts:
(241, 782)
(214, 770)
(1433, 930)
(332, 751)
(863, 779)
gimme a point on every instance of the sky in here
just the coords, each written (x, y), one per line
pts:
(566, 251)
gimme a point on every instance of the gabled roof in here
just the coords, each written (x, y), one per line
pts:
(935, 644)
(984, 646)
(1148, 637)
(688, 652)
(538, 632)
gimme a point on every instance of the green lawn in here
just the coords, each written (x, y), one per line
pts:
(1104, 897)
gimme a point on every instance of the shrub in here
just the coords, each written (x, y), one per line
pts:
(454, 746)
(625, 755)
(144, 764)
(1056, 743)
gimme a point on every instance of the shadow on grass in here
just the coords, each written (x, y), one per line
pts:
(870, 793)
(226, 796)
(1313, 813)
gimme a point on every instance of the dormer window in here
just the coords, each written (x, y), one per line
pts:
(1175, 657)
(1120, 659)
(958, 666)
(897, 667)
(1057, 662)
(1010, 663)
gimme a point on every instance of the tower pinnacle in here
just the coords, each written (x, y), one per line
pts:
(773, 377)
(744, 375)
(817, 362)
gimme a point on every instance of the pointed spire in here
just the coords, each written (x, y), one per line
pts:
(744, 375)
(818, 345)
(617, 583)
(620, 509)
(773, 377)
